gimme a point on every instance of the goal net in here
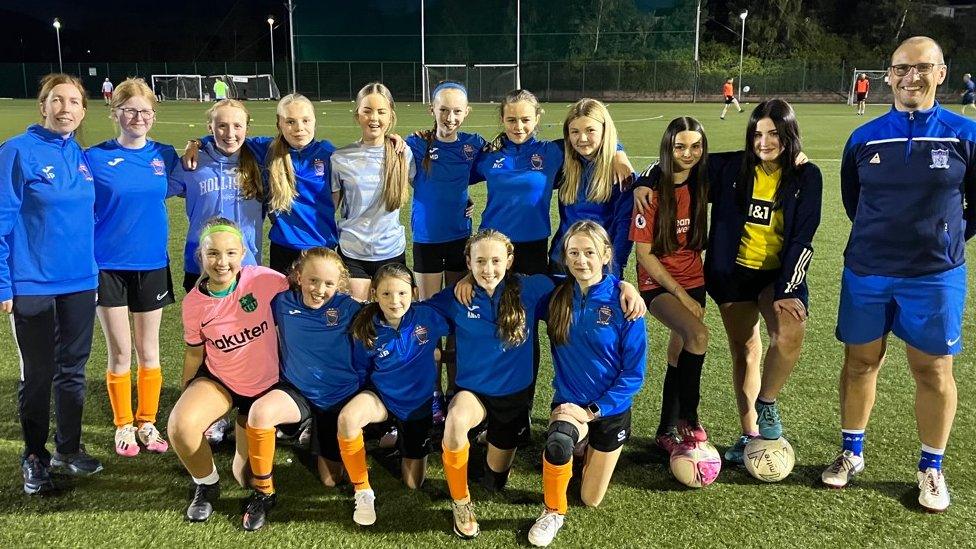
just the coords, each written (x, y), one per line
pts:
(245, 86)
(173, 87)
(485, 82)
(879, 92)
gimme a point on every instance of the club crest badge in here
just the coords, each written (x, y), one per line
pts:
(468, 151)
(940, 159)
(158, 166)
(319, 167)
(83, 168)
(420, 334)
(639, 221)
(249, 303)
(603, 315)
(331, 317)
(536, 161)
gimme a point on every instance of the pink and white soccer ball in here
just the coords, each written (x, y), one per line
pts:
(696, 465)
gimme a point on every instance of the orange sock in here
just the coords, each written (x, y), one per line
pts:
(555, 482)
(456, 471)
(149, 381)
(353, 452)
(120, 395)
(260, 454)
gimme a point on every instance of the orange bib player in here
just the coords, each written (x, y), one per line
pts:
(861, 87)
(728, 91)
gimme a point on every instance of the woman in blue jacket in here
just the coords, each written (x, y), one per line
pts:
(48, 276)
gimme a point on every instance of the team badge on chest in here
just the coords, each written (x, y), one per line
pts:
(249, 303)
(420, 334)
(468, 151)
(158, 166)
(319, 167)
(603, 315)
(536, 161)
(331, 317)
(84, 171)
(940, 159)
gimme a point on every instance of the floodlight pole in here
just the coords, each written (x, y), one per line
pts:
(291, 39)
(271, 32)
(518, 44)
(57, 32)
(742, 49)
(694, 94)
(424, 84)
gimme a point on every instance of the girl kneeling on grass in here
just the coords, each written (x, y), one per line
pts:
(495, 376)
(231, 357)
(318, 374)
(395, 339)
(598, 357)
(670, 237)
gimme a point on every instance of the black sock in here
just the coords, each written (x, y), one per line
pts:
(689, 391)
(495, 482)
(669, 401)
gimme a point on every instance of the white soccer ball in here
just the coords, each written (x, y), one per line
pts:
(769, 460)
(746, 89)
(696, 465)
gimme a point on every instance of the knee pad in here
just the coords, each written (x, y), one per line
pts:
(560, 441)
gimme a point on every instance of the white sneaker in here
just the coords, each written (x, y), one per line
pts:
(152, 439)
(465, 523)
(215, 433)
(389, 439)
(365, 513)
(544, 530)
(933, 494)
(842, 470)
(125, 441)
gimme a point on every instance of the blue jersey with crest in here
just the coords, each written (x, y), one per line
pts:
(440, 195)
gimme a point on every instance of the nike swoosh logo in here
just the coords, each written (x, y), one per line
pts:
(951, 342)
(159, 297)
(207, 322)
(115, 162)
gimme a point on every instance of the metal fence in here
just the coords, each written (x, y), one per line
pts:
(651, 80)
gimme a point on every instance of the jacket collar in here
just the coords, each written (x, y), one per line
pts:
(602, 289)
(919, 116)
(47, 136)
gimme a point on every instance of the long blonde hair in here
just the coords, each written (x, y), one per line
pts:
(512, 328)
(248, 170)
(601, 182)
(281, 172)
(396, 170)
(561, 302)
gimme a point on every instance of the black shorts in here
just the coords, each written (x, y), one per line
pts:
(282, 258)
(413, 433)
(239, 402)
(729, 99)
(325, 430)
(360, 268)
(968, 98)
(304, 407)
(140, 291)
(697, 293)
(531, 257)
(439, 257)
(507, 416)
(606, 434)
(861, 97)
(743, 284)
(190, 280)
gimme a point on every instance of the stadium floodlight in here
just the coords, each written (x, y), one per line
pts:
(742, 48)
(271, 32)
(57, 32)
(291, 40)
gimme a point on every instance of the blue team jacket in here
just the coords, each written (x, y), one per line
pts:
(316, 347)
(47, 224)
(908, 182)
(440, 196)
(603, 361)
(484, 364)
(401, 363)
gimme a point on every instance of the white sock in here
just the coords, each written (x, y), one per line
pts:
(212, 478)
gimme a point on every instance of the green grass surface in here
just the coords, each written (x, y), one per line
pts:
(140, 501)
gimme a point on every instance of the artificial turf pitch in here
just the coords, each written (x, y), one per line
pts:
(140, 501)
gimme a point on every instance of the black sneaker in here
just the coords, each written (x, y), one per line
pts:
(201, 506)
(79, 463)
(37, 477)
(256, 512)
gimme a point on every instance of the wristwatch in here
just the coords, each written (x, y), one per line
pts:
(594, 409)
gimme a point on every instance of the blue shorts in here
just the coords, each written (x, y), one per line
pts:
(924, 311)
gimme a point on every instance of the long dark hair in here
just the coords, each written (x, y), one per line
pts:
(665, 229)
(362, 324)
(784, 119)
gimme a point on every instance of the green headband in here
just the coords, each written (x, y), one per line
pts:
(221, 229)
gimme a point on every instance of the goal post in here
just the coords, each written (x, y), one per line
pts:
(879, 91)
(177, 87)
(246, 86)
(486, 82)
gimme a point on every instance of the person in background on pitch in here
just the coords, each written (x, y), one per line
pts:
(48, 277)
(904, 265)
(598, 360)
(728, 91)
(220, 89)
(969, 95)
(861, 88)
(107, 91)
(670, 237)
(131, 175)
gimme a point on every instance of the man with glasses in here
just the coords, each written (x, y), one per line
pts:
(905, 177)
